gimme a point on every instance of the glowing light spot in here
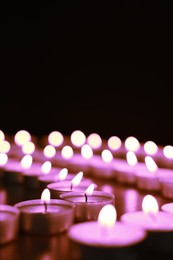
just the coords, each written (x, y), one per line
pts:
(45, 196)
(132, 144)
(114, 143)
(77, 179)
(62, 174)
(3, 159)
(28, 147)
(4, 146)
(168, 151)
(150, 164)
(26, 161)
(107, 216)
(78, 138)
(149, 204)
(86, 151)
(106, 156)
(150, 148)
(21, 137)
(131, 158)
(55, 138)
(67, 152)
(49, 151)
(2, 135)
(94, 140)
(90, 189)
(46, 167)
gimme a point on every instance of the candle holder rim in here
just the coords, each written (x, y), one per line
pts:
(9, 208)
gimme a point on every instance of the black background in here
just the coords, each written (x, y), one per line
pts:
(103, 68)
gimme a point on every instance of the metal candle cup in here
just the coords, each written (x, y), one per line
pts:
(87, 207)
(37, 218)
(9, 223)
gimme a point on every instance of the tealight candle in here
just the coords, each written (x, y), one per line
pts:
(88, 203)
(106, 237)
(9, 223)
(45, 216)
(158, 224)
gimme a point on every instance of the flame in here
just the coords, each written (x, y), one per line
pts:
(94, 140)
(49, 151)
(78, 138)
(131, 158)
(4, 146)
(77, 179)
(86, 151)
(132, 144)
(150, 164)
(46, 167)
(26, 161)
(106, 156)
(90, 189)
(55, 138)
(150, 205)
(67, 152)
(2, 135)
(150, 147)
(168, 151)
(62, 174)
(107, 216)
(3, 159)
(114, 143)
(28, 147)
(21, 137)
(45, 196)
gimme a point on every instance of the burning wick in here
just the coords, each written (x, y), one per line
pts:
(45, 196)
(89, 191)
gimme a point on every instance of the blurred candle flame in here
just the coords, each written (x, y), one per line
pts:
(150, 148)
(46, 167)
(150, 164)
(168, 151)
(78, 138)
(132, 144)
(150, 205)
(62, 174)
(26, 161)
(67, 152)
(49, 151)
(55, 138)
(86, 151)
(77, 179)
(106, 156)
(3, 159)
(107, 216)
(4, 146)
(131, 158)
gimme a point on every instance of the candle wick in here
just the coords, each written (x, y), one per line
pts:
(45, 206)
(86, 198)
(71, 186)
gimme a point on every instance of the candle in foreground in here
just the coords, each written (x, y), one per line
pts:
(105, 236)
(158, 224)
(45, 216)
(88, 203)
(9, 223)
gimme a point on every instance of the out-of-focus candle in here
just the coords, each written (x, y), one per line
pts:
(106, 237)
(45, 216)
(78, 138)
(88, 203)
(158, 224)
(9, 223)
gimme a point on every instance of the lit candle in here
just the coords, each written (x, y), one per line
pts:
(9, 223)
(158, 224)
(45, 216)
(106, 238)
(76, 184)
(88, 203)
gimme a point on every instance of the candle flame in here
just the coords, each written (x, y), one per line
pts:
(46, 167)
(168, 151)
(131, 158)
(150, 148)
(62, 174)
(67, 152)
(78, 138)
(55, 138)
(150, 205)
(132, 144)
(28, 147)
(90, 189)
(86, 151)
(150, 164)
(45, 196)
(2, 135)
(106, 156)
(114, 143)
(3, 158)
(107, 216)
(4, 146)
(77, 179)
(21, 137)
(94, 140)
(26, 161)
(49, 151)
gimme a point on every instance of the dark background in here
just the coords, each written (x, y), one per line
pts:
(103, 68)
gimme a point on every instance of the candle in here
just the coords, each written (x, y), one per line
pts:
(9, 223)
(88, 203)
(106, 238)
(45, 216)
(158, 224)
(76, 184)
